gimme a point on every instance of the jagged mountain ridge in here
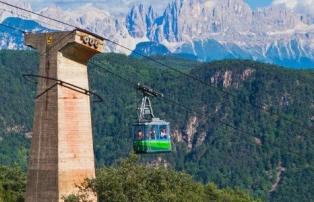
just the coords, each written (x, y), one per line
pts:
(198, 27)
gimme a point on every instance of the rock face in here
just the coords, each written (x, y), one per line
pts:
(280, 170)
(190, 131)
(202, 29)
(228, 78)
(196, 130)
(191, 136)
(139, 21)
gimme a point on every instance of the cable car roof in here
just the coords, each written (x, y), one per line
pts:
(154, 121)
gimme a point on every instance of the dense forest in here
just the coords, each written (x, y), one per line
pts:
(126, 181)
(130, 181)
(240, 124)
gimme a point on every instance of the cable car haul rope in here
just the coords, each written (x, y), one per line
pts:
(261, 108)
(147, 130)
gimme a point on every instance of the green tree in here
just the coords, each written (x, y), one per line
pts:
(12, 184)
(130, 181)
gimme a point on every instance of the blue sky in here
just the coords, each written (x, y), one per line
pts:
(259, 3)
(37, 4)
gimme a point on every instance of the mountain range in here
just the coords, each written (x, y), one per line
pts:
(205, 30)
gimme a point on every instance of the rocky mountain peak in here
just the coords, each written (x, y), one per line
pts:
(201, 29)
(140, 20)
(186, 19)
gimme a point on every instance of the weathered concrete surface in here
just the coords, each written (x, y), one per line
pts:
(62, 147)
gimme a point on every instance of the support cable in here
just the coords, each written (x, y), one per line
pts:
(63, 84)
(195, 78)
(101, 65)
(133, 84)
(40, 15)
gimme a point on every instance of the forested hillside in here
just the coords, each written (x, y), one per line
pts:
(248, 125)
(129, 180)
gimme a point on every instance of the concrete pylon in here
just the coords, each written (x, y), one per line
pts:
(61, 155)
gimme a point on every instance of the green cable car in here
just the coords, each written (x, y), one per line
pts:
(150, 134)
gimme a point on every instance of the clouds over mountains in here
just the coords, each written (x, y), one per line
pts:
(302, 6)
(122, 6)
(114, 6)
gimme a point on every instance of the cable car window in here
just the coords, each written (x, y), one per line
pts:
(164, 132)
(139, 133)
(152, 132)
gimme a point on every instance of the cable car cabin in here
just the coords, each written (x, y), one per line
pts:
(150, 134)
(152, 137)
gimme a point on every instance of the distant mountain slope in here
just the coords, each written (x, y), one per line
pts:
(150, 49)
(14, 39)
(206, 30)
(268, 155)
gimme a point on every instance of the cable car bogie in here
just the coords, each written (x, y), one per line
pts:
(150, 134)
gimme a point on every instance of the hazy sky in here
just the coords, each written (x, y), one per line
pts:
(258, 3)
(123, 5)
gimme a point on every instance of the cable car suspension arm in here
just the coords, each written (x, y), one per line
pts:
(145, 111)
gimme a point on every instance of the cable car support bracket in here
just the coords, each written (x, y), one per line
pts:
(145, 111)
(62, 83)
